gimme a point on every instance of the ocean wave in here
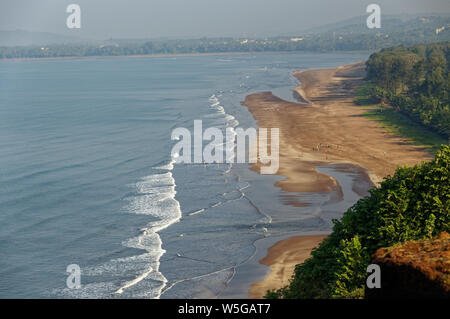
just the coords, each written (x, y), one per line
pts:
(168, 166)
(195, 212)
(156, 197)
(229, 122)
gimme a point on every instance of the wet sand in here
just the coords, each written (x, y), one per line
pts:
(328, 129)
(282, 259)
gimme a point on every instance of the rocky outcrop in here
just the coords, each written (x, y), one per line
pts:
(415, 269)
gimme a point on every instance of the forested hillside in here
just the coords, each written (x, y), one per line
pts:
(414, 81)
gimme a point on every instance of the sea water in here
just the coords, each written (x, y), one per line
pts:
(86, 175)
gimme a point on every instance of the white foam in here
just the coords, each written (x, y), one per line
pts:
(229, 121)
(216, 204)
(156, 197)
(168, 166)
(133, 282)
(141, 265)
(197, 212)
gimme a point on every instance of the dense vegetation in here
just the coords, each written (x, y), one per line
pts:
(346, 36)
(397, 123)
(414, 81)
(413, 204)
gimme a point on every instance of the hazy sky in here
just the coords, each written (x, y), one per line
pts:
(194, 18)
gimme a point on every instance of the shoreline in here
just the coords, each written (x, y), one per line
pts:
(281, 259)
(174, 55)
(328, 129)
(136, 56)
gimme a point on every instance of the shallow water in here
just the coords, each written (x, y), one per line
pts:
(323, 206)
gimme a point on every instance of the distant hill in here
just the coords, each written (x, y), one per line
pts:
(349, 35)
(389, 23)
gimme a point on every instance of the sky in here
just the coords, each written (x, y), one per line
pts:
(102, 19)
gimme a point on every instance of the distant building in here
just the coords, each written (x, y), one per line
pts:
(439, 30)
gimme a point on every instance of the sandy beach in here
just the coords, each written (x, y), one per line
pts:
(282, 258)
(328, 128)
